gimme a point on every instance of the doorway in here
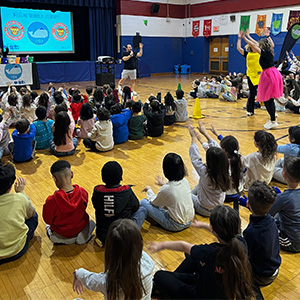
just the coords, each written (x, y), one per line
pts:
(218, 55)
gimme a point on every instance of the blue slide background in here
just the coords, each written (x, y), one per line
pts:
(31, 30)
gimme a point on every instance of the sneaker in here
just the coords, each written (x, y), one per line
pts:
(270, 125)
(249, 114)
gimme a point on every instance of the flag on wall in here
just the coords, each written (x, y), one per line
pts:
(196, 28)
(261, 24)
(245, 22)
(293, 18)
(291, 38)
(276, 23)
(207, 28)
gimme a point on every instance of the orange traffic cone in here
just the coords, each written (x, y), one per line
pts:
(197, 110)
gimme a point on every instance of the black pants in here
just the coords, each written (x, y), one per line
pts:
(270, 106)
(251, 97)
(90, 144)
(292, 107)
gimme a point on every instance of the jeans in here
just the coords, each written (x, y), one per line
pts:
(32, 225)
(139, 216)
(162, 217)
(1, 152)
(57, 153)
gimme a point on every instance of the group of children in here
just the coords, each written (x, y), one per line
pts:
(224, 270)
(55, 119)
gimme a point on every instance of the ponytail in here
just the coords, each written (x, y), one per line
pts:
(236, 275)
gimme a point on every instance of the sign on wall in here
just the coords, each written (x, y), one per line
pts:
(196, 28)
(207, 28)
(16, 74)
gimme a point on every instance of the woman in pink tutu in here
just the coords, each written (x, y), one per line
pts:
(270, 84)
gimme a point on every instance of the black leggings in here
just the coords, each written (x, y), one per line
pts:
(270, 106)
(252, 94)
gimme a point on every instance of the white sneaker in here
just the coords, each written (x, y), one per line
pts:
(270, 125)
(249, 114)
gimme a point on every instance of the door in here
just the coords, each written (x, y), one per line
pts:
(218, 55)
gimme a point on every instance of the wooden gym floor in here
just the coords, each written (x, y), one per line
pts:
(45, 271)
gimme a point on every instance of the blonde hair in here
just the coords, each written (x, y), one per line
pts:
(265, 44)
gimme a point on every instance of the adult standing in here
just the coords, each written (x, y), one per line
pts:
(253, 72)
(5, 52)
(130, 64)
(270, 85)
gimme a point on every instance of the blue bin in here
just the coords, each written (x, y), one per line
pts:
(185, 69)
(177, 69)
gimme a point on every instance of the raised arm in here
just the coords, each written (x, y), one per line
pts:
(239, 44)
(254, 46)
(140, 53)
(250, 38)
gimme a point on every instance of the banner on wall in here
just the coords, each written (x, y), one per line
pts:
(16, 74)
(261, 24)
(196, 28)
(207, 28)
(291, 38)
(294, 17)
(224, 20)
(276, 24)
(245, 22)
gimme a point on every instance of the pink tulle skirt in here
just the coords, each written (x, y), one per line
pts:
(270, 85)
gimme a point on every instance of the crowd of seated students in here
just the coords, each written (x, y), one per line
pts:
(224, 176)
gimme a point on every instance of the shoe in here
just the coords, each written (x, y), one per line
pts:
(270, 125)
(276, 115)
(249, 114)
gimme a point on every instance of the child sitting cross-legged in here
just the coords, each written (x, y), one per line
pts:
(136, 122)
(286, 208)
(261, 235)
(65, 211)
(113, 201)
(18, 219)
(23, 146)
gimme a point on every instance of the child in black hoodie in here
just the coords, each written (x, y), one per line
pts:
(113, 201)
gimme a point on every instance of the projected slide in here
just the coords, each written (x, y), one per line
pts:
(37, 31)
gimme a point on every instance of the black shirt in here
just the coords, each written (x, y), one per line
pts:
(131, 63)
(266, 59)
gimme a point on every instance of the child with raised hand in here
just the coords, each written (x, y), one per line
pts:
(181, 113)
(136, 122)
(86, 121)
(128, 269)
(172, 207)
(231, 147)
(43, 126)
(63, 143)
(219, 270)
(286, 208)
(261, 235)
(214, 178)
(23, 145)
(64, 212)
(28, 107)
(260, 165)
(290, 149)
(18, 219)
(113, 201)
(100, 138)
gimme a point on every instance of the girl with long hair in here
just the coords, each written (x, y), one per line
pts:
(28, 107)
(43, 100)
(270, 84)
(214, 178)
(63, 144)
(170, 106)
(86, 121)
(261, 164)
(128, 269)
(211, 271)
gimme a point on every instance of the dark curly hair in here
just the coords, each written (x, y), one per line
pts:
(266, 144)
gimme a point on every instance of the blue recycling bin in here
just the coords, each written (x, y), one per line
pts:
(185, 69)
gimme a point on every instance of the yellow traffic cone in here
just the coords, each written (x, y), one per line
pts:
(197, 110)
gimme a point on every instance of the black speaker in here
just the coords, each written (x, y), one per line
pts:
(104, 78)
(137, 39)
(155, 8)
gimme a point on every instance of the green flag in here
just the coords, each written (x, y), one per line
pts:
(245, 22)
(145, 22)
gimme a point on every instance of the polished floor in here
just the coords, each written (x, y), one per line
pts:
(45, 272)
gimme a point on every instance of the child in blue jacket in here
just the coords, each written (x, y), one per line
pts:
(22, 148)
(119, 118)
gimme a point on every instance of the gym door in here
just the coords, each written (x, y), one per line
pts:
(218, 55)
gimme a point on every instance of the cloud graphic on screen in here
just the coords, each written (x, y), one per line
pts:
(39, 33)
(14, 71)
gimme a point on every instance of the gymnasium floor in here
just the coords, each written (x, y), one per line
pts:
(45, 271)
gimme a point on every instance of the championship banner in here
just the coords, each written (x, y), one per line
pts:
(16, 74)
(245, 22)
(207, 28)
(293, 18)
(276, 23)
(291, 38)
(196, 28)
(261, 24)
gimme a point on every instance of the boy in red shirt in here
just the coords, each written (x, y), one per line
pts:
(65, 211)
